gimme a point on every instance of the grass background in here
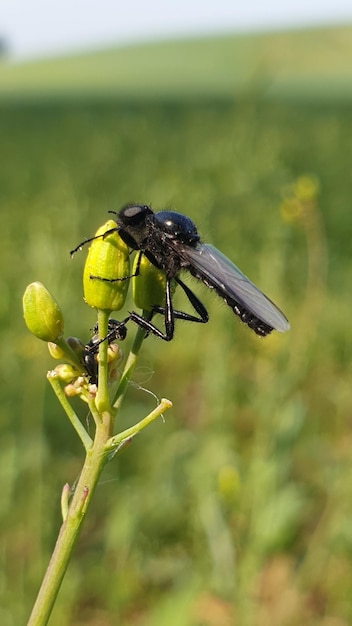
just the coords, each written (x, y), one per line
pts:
(237, 509)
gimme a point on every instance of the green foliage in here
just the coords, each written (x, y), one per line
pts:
(237, 509)
(307, 64)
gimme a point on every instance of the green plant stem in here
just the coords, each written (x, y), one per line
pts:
(93, 466)
(75, 421)
(102, 400)
(130, 365)
(116, 440)
(98, 452)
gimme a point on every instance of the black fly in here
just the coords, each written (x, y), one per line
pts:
(170, 241)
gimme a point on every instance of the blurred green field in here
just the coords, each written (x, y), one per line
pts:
(300, 64)
(237, 509)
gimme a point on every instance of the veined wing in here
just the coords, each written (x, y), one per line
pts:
(217, 271)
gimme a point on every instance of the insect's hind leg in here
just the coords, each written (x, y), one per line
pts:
(170, 314)
(169, 318)
(195, 302)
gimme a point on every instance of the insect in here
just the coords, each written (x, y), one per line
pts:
(116, 332)
(170, 241)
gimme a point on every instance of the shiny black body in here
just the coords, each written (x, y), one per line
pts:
(170, 241)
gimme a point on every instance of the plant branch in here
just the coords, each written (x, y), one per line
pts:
(116, 440)
(74, 419)
(102, 401)
(94, 463)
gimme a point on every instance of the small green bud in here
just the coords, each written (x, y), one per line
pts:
(70, 349)
(66, 373)
(108, 259)
(72, 390)
(77, 387)
(148, 288)
(42, 313)
(55, 351)
(114, 353)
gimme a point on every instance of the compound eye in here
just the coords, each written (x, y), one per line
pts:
(134, 214)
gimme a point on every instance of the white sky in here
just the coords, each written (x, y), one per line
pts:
(38, 27)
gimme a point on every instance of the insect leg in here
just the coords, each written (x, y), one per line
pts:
(116, 332)
(195, 302)
(114, 280)
(169, 318)
(83, 243)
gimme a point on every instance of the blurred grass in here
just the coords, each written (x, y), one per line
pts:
(312, 63)
(237, 509)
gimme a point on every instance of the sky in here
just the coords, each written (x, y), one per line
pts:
(35, 28)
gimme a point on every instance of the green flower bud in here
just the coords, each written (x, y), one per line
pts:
(108, 259)
(71, 391)
(66, 373)
(55, 351)
(42, 313)
(70, 349)
(148, 288)
(114, 354)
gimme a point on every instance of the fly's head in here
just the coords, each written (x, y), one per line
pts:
(132, 222)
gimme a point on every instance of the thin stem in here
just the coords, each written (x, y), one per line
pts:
(98, 452)
(102, 400)
(130, 365)
(94, 463)
(75, 421)
(116, 440)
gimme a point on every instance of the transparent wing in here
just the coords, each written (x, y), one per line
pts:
(219, 273)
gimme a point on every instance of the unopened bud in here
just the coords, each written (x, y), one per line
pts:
(148, 287)
(66, 373)
(42, 313)
(55, 351)
(71, 391)
(107, 266)
(115, 353)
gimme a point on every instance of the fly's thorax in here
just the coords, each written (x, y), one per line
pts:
(163, 252)
(176, 226)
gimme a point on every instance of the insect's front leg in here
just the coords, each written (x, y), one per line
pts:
(114, 280)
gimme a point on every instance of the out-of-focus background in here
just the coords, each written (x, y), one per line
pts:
(237, 509)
